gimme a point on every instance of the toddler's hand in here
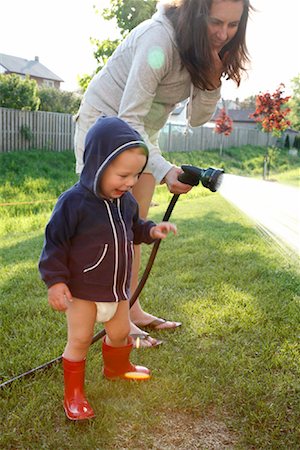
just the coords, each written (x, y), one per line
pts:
(58, 296)
(161, 230)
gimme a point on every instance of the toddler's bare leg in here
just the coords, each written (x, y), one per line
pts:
(81, 317)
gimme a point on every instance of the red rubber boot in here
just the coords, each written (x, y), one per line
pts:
(75, 404)
(117, 364)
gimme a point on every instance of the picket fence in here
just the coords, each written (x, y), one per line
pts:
(177, 138)
(22, 130)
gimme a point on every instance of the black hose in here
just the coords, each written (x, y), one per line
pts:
(132, 300)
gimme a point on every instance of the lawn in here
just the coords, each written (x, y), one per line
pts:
(228, 379)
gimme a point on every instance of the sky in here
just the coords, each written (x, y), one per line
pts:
(59, 33)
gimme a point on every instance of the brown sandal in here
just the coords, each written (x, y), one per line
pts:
(154, 324)
(145, 337)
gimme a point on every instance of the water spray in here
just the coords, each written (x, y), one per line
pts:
(272, 207)
(211, 179)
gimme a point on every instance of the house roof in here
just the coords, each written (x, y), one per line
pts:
(179, 108)
(23, 66)
(236, 115)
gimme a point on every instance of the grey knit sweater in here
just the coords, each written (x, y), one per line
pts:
(144, 80)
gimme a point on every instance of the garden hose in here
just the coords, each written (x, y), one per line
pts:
(210, 178)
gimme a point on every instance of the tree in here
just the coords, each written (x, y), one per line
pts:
(271, 114)
(58, 101)
(18, 93)
(297, 142)
(294, 103)
(287, 142)
(128, 14)
(104, 50)
(248, 103)
(83, 81)
(223, 126)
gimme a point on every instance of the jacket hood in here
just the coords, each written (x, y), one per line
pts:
(160, 16)
(105, 140)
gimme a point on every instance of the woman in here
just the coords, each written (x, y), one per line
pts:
(182, 52)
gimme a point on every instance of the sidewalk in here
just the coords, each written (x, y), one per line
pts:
(273, 206)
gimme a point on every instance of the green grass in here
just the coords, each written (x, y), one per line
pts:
(234, 365)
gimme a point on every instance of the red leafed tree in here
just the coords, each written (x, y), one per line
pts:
(271, 114)
(223, 126)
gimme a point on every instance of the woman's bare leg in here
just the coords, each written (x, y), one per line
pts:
(143, 193)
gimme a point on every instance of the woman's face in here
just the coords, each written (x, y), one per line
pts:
(223, 22)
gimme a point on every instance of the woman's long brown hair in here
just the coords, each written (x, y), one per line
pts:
(189, 19)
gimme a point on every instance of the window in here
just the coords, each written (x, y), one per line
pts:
(48, 83)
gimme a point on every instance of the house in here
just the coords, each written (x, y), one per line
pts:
(240, 117)
(178, 115)
(33, 68)
(176, 123)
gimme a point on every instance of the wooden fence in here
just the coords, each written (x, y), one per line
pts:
(21, 130)
(173, 138)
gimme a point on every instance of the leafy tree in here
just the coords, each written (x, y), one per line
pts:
(294, 103)
(58, 101)
(18, 93)
(84, 80)
(287, 142)
(104, 50)
(271, 114)
(223, 126)
(248, 103)
(297, 142)
(128, 14)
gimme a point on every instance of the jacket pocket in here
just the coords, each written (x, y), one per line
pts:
(100, 270)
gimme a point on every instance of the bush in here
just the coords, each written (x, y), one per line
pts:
(297, 142)
(287, 142)
(54, 100)
(18, 93)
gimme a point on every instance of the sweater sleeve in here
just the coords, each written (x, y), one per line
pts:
(53, 263)
(203, 105)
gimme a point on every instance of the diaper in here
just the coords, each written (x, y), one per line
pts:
(105, 311)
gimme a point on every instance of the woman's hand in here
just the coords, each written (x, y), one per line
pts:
(173, 184)
(161, 230)
(58, 296)
(218, 68)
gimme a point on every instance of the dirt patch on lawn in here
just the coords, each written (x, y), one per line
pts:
(186, 431)
(183, 431)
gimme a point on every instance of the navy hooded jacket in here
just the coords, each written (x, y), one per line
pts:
(89, 239)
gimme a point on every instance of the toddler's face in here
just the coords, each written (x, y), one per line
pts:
(122, 174)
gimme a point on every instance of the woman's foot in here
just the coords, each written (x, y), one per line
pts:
(158, 324)
(142, 339)
(151, 322)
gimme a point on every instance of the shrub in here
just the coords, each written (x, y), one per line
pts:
(287, 142)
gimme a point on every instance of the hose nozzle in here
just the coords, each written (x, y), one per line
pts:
(210, 178)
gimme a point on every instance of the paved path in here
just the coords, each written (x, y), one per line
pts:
(273, 206)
